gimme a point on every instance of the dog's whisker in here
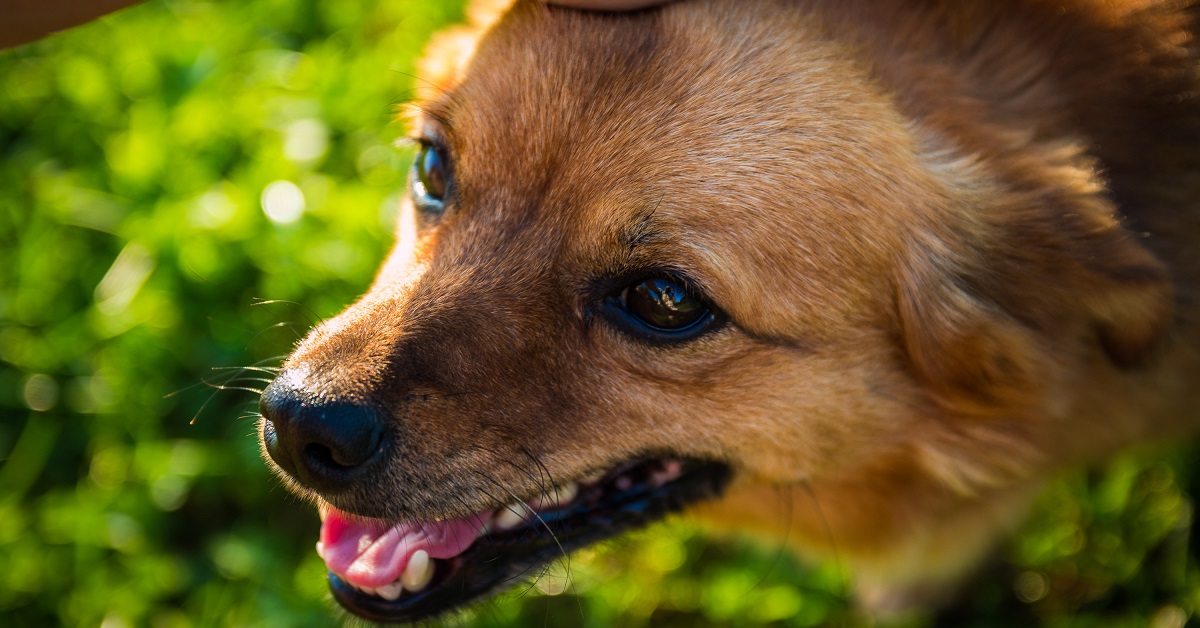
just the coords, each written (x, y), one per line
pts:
(495, 613)
(569, 581)
(531, 511)
(478, 520)
(225, 384)
(270, 370)
(176, 393)
(491, 496)
(416, 78)
(238, 380)
(217, 387)
(555, 486)
(296, 328)
(236, 371)
(428, 110)
(234, 378)
(241, 388)
(540, 479)
(542, 522)
(202, 407)
(843, 575)
(314, 319)
(781, 493)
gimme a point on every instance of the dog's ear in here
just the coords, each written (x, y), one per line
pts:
(1130, 297)
(989, 307)
(448, 52)
(967, 352)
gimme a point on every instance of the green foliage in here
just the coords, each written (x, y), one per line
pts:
(137, 155)
(133, 251)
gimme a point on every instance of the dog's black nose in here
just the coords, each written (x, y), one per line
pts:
(325, 444)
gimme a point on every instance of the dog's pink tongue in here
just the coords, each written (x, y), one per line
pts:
(373, 553)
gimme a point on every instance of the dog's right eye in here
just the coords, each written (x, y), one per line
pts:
(429, 179)
(660, 309)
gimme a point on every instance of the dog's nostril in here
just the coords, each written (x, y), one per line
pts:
(345, 454)
(317, 454)
(327, 444)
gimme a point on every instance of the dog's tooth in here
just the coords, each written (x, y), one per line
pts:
(668, 471)
(419, 571)
(390, 591)
(511, 516)
(566, 493)
(592, 478)
(556, 497)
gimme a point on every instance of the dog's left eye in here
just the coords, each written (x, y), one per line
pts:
(660, 309)
(430, 178)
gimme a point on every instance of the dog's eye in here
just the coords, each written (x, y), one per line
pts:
(660, 308)
(429, 179)
(663, 304)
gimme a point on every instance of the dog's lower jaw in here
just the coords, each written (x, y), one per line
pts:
(911, 552)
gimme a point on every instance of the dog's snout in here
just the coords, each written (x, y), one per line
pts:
(326, 444)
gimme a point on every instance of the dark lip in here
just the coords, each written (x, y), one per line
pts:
(501, 559)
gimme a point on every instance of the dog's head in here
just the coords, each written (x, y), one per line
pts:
(644, 253)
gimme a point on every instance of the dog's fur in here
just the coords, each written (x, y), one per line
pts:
(957, 241)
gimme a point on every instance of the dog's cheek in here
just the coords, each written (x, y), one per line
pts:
(776, 413)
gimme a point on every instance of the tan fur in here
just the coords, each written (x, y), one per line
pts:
(957, 242)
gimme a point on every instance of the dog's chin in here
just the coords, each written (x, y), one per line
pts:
(375, 572)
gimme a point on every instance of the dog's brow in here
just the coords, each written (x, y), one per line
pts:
(642, 229)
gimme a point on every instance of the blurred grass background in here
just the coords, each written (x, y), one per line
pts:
(188, 185)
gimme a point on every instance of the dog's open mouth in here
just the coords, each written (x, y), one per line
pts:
(414, 570)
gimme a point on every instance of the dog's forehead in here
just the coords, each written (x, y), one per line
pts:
(725, 128)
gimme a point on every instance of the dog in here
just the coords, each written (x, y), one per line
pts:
(885, 265)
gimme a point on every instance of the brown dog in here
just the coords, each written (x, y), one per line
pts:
(896, 260)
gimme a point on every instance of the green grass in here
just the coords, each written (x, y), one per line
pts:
(135, 259)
